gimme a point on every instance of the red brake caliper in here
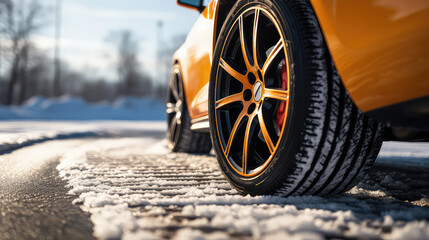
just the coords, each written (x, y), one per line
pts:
(282, 108)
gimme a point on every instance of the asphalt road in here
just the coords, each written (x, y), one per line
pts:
(128, 186)
(37, 206)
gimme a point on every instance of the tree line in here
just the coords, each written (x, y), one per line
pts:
(26, 71)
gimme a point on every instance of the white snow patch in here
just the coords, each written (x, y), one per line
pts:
(405, 149)
(190, 234)
(19, 164)
(17, 134)
(415, 230)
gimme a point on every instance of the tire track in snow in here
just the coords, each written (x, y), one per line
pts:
(135, 189)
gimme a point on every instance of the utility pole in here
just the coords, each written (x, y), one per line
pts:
(0, 69)
(1, 78)
(57, 63)
(158, 72)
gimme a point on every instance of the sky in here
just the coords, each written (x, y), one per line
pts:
(86, 24)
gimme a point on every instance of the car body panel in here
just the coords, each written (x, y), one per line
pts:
(379, 48)
(194, 57)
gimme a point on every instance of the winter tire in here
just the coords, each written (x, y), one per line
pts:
(281, 120)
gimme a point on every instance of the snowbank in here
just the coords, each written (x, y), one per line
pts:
(72, 108)
(14, 135)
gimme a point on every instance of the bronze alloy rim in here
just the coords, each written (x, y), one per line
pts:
(174, 107)
(252, 91)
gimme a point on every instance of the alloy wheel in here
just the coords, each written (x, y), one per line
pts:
(174, 107)
(252, 91)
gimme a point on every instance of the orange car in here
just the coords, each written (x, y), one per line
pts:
(297, 96)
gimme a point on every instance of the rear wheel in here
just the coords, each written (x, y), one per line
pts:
(281, 121)
(179, 134)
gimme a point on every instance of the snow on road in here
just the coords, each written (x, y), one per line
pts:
(135, 189)
(17, 134)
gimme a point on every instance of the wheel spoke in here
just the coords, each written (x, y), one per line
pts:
(179, 89)
(233, 132)
(228, 100)
(278, 94)
(173, 87)
(276, 50)
(234, 73)
(255, 37)
(244, 48)
(265, 133)
(172, 128)
(172, 123)
(246, 143)
(177, 128)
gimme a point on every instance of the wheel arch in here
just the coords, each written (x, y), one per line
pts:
(224, 7)
(368, 52)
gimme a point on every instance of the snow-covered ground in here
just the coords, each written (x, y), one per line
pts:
(134, 193)
(135, 189)
(72, 108)
(61, 119)
(17, 134)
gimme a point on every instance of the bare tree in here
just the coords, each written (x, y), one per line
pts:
(57, 63)
(19, 19)
(98, 90)
(23, 73)
(131, 79)
(39, 69)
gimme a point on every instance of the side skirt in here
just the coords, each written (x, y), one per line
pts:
(409, 114)
(200, 124)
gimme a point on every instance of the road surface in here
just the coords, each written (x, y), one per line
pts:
(120, 181)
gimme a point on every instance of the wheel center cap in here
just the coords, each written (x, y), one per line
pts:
(257, 91)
